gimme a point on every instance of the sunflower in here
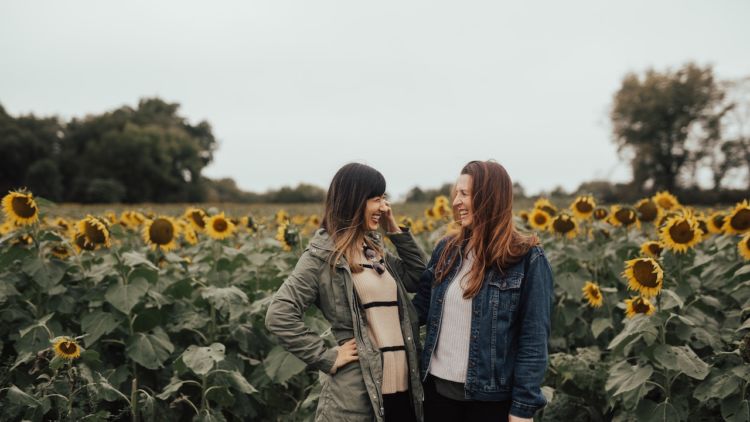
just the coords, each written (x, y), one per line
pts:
(197, 218)
(647, 210)
(744, 246)
(81, 244)
(665, 216)
(564, 225)
(524, 216)
(623, 216)
(405, 221)
(644, 275)
(20, 208)
(63, 225)
(219, 227)
(651, 248)
(281, 217)
(441, 207)
(60, 252)
(132, 219)
(593, 294)
(600, 213)
(111, 217)
(314, 220)
(287, 236)
(442, 200)
(680, 233)
(638, 305)
(6, 227)
(248, 222)
(429, 213)
(66, 348)
(161, 233)
(665, 200)
(545, 205)
(94, 230)
(703, 225)
(583, 206)
(190, 236)
(539, 219)
(738, 221)
(716, 222)
(417, 227)
(299, 220)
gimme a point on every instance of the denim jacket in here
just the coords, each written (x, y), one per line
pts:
(510, 328)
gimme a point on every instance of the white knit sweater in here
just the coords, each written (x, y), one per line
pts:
(451, 356)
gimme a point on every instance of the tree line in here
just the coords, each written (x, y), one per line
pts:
(676, 128)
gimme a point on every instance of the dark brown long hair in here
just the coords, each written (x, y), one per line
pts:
(492, 237)
(344, 214)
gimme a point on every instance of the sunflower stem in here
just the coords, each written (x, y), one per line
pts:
(134, 397)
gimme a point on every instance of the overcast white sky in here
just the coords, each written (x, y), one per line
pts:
(295, 89)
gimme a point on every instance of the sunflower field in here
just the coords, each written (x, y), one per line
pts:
(151, 316)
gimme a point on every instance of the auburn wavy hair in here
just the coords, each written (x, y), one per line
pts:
(492, 237)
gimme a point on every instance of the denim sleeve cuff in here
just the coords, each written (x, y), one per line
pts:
(523, 410)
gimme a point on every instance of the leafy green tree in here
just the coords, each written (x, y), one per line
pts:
(152, 153)
(659, 116)
(28, 148)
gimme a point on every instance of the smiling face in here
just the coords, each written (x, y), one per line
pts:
(374, 208)
(462, 201)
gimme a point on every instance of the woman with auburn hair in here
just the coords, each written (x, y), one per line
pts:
(360, 287)
(486, 298)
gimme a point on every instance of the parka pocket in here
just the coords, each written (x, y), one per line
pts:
(344, 396)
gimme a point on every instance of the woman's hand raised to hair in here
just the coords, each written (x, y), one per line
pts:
(347, 353)
(388, 220)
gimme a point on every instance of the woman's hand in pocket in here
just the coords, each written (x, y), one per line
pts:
(347, 353)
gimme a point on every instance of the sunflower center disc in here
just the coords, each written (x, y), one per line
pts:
(741, 220)
(68, 347)
(681, 232)
(640, 307)
(220, 225)
(584, 207)
(198, 219)
(161, 231)
(648, 211)
(654, 249)
(563, 226)
(625, 216)
(94, 233)
(644, 274)
(22, 208)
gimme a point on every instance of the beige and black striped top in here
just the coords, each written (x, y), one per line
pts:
(378, 295)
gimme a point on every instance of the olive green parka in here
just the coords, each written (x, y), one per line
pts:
(353, 393)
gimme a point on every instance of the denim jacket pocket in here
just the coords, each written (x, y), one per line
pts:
(506, 291)
(504, 297)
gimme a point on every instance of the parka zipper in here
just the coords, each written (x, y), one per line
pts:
(362, 341)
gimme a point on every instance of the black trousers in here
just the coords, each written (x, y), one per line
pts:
(398, 407)
(438, 408)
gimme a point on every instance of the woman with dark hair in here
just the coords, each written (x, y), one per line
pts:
(360, 287)
(486, 299)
